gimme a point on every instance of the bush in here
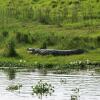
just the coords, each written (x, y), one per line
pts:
(10, 49)
(21, 38)
(5, 33)
(42, 89)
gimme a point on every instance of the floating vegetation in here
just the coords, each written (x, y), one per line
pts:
(81, 64)
(42, 89)
(75, 95)
(63, 80)
(60, 69)
(14, 64)
(14, 87)
(67, 71)
(43, 71)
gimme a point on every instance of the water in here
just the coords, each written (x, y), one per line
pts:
(88, 83)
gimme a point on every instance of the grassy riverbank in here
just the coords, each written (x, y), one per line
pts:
(55, 26)
(25, 58)
(54, 37)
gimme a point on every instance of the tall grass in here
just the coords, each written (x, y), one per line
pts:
(50, 40)
(58, 24)
(53, 12)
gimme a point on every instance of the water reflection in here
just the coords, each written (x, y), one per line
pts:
(11, 73)
(43, 71)
(97, 70)
(67, 71)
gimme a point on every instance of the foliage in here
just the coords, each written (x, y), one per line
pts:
(75, 95)
(24, 38)
(5, 33)
(10, 49)
(11, 64)
(42, 89)
(14, 87)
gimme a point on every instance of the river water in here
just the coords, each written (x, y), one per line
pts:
(88, 83)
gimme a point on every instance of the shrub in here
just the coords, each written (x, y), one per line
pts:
(10, 49)
(14, 87)
(5, 33)
(24, 38)
(42, 89)
(21, 38)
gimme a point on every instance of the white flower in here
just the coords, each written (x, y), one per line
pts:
(35, 62)
(80, 62)
(24, 61)
(71, 62)
(87, 61)
(20, 60)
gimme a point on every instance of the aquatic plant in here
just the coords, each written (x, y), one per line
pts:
(63, 81)
(42, 89)
(57, 68)
(14, 87)
(75, 95)
(14, 64)
(80, 64)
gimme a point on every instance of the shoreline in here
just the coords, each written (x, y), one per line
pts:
(72, 65)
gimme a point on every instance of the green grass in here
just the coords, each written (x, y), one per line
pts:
(64, 39)
(31, 29)
(92, 56)
(32, 59)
